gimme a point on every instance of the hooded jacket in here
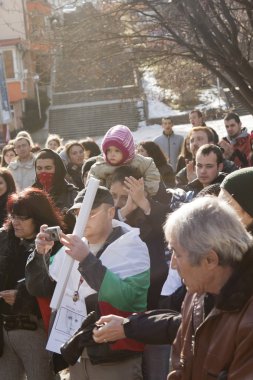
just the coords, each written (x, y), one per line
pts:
(242, 148)
(62, 192)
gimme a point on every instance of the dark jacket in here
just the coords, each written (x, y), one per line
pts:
(215, 339)
(229, 166)
(167, 175)
(181, 176)
(75, 175)
(39, 283)
(162, 195)
(151, 233)
(196, 186)
(13, 256)
(153, 327)
(181, 163)
(62, 192)
(3, 211)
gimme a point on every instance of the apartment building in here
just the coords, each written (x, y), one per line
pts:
(25, 48)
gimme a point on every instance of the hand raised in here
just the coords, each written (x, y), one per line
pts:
(42, 244)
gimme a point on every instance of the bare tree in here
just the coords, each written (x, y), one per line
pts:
(217, 34)
(100, 43)
(91, 53)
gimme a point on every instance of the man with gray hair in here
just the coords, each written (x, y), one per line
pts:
(216, 334)
(213, 254)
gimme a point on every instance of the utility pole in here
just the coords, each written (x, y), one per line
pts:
(36, 79)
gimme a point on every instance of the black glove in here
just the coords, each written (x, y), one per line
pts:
(72, 349)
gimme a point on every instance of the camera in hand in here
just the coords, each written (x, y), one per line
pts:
(54, 233)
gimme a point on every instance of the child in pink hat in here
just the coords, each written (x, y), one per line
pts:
(118, 150)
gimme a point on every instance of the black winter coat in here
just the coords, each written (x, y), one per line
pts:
(151, 233)
(13, 256)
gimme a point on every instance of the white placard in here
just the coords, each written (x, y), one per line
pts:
(68, 319)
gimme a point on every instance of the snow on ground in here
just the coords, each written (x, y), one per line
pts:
(151, 131)
(159, 109)
(210, 99)
(155, 94)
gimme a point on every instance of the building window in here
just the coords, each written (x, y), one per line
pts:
(9, 64)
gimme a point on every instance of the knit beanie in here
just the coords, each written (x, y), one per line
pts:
(239, 184)
(121, 137)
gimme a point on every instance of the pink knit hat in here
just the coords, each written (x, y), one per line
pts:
(121, 137)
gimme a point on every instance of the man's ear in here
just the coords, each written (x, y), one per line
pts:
(111, 212)
(212, 259)
(220, 167)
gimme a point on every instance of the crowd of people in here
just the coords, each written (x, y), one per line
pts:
(164, 273)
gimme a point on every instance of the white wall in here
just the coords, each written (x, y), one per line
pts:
(11, 19)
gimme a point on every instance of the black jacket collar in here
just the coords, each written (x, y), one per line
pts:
(239, 288)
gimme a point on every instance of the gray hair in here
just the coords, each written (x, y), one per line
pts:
(206, 224)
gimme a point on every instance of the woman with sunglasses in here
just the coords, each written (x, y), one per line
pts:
(23, 335)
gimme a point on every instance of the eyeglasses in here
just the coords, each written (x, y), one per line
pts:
(20, 218)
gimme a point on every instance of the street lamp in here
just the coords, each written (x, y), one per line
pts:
(36, 79)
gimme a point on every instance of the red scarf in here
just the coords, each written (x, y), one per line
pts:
(46, 180)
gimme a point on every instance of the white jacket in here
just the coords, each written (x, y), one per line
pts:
(23, 173)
